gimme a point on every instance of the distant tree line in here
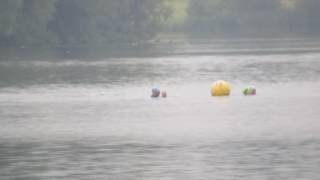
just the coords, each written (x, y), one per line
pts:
(71, 22)
(254, 17)
(74, 22)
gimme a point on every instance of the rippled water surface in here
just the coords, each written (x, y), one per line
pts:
(94, 118)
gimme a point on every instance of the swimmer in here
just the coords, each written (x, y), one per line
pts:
(155, 92)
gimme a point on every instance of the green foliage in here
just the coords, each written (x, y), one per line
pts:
(9, 10)
(254, 17)
(32, 22)
(78, 22)
(36, 22)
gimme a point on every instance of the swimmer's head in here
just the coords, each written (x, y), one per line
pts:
(155, 92)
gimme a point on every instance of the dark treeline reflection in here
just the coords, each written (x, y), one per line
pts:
(74, 22)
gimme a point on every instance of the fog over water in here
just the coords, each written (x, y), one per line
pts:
(94, 118)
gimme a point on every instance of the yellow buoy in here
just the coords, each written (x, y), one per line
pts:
(220, 88)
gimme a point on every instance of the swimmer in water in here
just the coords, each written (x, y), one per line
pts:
(155, 92)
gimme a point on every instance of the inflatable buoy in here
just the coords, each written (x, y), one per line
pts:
(163, 94)
(249, 91)
(220, 88)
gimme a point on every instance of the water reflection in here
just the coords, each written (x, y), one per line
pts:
(98, 159)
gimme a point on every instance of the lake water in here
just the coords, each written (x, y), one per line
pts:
(93, 118)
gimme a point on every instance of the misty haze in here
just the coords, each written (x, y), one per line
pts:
(159, 89)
